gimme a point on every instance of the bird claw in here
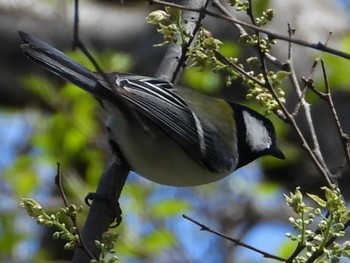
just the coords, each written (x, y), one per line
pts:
(90, 197)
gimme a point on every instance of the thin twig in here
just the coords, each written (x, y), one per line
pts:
(223, 9)
(77, 43)
(174, 60)
(286, 113)
(237, 68)
(76, 23)
(251, 15)
(309, 83)
(316, 151)
(343, 136)
(235, 241)
(295, 253)
(291, 32)
(318, 46)
(306, 81)
(287, 116)
(302, 103)
(186, 46)
(58, 182)
(327, 97)
(242, 32)
(307, 113)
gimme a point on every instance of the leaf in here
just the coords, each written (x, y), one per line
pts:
(318, 200)
(174, 13)
(281, 75)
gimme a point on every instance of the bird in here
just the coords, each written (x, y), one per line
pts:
(169, 134)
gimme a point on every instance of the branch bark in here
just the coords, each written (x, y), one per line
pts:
(175, 57)
(103, 212)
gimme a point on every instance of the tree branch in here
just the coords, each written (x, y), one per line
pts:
(103, 211)
(242, 32)
(235, 241)
(315, 151)
(58, 181)
(176, 55)
(318, 46)
(342, 135)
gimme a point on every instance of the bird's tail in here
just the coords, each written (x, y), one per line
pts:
(58, 63)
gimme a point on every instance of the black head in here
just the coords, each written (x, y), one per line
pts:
(255, 134)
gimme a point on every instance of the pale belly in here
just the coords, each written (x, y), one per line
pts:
(157, 157)
(166, 163)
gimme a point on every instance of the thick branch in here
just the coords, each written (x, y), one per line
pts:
(176, 55)
(103, 211)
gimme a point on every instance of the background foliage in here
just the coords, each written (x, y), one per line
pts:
(60, 123)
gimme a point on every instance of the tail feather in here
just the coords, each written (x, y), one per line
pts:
(58, 63)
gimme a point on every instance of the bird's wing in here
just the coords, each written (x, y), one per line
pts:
(155, 99)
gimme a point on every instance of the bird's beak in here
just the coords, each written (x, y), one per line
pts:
(275, 152)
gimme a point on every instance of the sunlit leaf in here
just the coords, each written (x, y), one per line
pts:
(318, 200)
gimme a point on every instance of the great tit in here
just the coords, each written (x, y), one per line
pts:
(168, 134)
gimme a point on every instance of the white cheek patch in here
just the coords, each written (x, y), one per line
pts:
(257, 136)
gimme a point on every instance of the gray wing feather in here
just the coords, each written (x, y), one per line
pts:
(169, 111)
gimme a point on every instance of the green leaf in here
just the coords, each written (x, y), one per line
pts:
(174, 13)
(281, 75)
(318, 200)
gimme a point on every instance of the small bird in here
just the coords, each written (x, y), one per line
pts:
(168, 134)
